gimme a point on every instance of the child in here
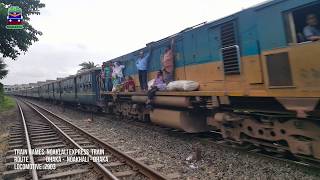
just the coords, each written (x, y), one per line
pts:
(115, 82)
(129, 85)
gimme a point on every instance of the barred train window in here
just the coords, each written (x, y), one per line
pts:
(296, 21)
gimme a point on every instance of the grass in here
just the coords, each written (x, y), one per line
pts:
(7, 104)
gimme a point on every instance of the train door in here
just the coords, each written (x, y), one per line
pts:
(75, 89)
(189, 58)
(80, 87)
(52, 85)
(46, 91)
(53, 95)
(59, 90)
(215, 53)
(95, 75)
(180, 63)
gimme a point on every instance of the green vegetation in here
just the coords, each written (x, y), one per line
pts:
(6, 104)
(86, 65)
(13, 42)
(1, 93)
(3, 70)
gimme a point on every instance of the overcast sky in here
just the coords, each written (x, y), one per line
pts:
(98, 30)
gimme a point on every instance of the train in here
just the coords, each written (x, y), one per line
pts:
(259, 80)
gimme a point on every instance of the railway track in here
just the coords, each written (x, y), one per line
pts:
(256, 149)
(82, 155)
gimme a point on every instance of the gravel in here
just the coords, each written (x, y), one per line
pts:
(171, 149)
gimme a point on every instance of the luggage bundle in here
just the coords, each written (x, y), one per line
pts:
(183, 85)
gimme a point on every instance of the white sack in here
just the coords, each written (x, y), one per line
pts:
(183, 85)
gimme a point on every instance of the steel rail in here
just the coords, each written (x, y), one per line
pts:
(107, 174)
(26, 133)
(142, 168)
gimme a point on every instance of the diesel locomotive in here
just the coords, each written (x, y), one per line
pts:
(259, 80)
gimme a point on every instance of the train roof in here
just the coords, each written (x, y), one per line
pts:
(61, 79)
(266, 4)
(259, 6)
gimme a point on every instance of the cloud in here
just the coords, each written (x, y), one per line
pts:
(45, 61)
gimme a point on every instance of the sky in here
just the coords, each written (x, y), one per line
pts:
(75, 31)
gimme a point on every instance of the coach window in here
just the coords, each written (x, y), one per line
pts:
(296, 21)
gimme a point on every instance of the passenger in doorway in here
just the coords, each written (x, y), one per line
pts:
(312, 30)
(108, 76)
(142, 66)
(129, 85)
(102, 76)
(168, 63)
(158, 85)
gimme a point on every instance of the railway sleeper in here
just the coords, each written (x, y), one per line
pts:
(48, 143)
(45, 140)
(14, 174)
(64, 174)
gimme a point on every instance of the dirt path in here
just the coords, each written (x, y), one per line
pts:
(6, 119)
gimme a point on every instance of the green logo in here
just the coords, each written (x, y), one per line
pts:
(14, 18)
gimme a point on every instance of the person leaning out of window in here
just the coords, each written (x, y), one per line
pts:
(312, 30)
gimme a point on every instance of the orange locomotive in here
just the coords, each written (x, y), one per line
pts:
(259, 78)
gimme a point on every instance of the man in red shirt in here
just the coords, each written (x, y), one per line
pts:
(168, 63)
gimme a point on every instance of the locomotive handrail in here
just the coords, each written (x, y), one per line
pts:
(230, 47)
(238, 53)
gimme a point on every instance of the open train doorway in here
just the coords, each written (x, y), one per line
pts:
(296, 21)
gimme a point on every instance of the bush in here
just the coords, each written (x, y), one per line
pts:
(7, 103)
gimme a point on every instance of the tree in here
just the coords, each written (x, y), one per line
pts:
(87, 65)
(3, 71)
(13, 42)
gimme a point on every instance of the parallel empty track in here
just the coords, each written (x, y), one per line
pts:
(42, 129)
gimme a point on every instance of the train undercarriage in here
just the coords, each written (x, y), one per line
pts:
(263, 122)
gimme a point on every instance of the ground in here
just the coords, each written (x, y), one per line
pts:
(8, 113)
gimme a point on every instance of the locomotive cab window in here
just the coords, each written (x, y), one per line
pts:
(303, 24)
